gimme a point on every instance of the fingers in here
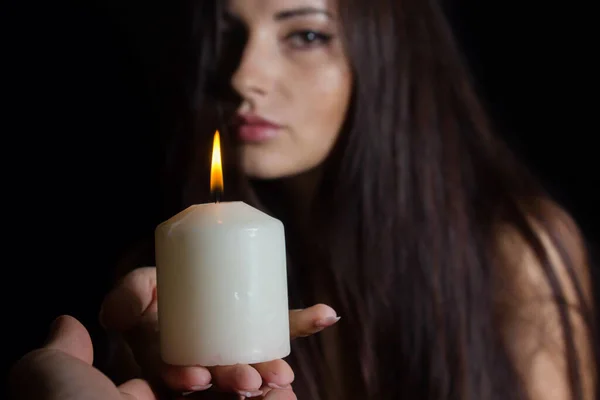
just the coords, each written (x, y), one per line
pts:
(144, 341)
(69, 336)
(245, 380)
(52, 374)
(130, 309)
(135, 295)
(275, 374)
(137, 389)
(62, 370)
(241, 379)
(311, 320)
(280, 394)
(184, 379)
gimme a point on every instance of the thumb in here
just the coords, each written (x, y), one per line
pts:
(69, 336)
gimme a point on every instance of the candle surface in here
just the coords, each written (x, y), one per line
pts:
(222, 286)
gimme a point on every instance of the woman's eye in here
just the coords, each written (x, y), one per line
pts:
(307, 39)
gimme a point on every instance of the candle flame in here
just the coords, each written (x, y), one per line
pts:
(216, 169)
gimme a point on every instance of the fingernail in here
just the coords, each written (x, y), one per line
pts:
(199, 388)
(325, 322)
(255, 393)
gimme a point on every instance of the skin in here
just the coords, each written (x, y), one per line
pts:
(293, 72)
(62, 369)
(303, 83)
(131, 309)
(532, 325)
(306, 88)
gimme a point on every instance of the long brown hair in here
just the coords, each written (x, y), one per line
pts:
(407, 211)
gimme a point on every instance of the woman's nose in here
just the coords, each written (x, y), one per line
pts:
(253, 77)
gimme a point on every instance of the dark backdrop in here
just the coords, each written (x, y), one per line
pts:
(81, 117)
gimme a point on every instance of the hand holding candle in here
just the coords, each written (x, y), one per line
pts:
(131, 308)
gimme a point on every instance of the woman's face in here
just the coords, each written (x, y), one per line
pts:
(295, 83)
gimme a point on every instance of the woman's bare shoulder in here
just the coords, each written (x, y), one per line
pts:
(563, 243)
(532, 323)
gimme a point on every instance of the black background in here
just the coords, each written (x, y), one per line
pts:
(80, 117)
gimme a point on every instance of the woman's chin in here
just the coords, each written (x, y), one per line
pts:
(262, 171)
(266, 166)
(270, 164)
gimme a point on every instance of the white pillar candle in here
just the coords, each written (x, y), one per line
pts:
(222, 286)
(221, 283)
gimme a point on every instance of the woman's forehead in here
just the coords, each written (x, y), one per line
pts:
(275, 7)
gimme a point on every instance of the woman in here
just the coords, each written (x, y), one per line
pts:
(455, 274)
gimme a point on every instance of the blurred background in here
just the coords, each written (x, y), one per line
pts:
(83, 110)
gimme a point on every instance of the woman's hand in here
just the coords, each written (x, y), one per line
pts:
(62, 370)
(131, 310)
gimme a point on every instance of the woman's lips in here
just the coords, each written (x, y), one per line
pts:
(253, 128)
